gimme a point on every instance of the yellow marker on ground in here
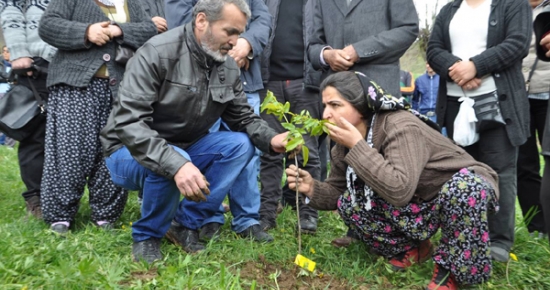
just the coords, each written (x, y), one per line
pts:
(305, 263)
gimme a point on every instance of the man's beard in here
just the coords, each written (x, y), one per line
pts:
(206, 42)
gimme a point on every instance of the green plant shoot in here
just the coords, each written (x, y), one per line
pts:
(297, 126)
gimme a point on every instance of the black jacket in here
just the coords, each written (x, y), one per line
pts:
(172, 93)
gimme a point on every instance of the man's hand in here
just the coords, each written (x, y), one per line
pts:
(244, 63)
(240, 50)
(463, 71)
(350, 50)
(191, 183)
(160, 23)
(278, 142)
(22, 63)
(305, 181)
(545, 43)
(337, 59)
(472, 84)
(345, 133)
(99, 33)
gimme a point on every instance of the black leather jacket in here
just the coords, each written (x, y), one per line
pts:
(172, 93)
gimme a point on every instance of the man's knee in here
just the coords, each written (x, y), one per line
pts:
(239, 145)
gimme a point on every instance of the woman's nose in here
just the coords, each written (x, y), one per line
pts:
(326, 114)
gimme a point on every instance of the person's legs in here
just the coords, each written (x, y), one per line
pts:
(160, 201)
(31, 152)
(528, 177)
(71, 142)
(304, 99)
(107, 200)
(494, 149)
(244, 196)
(463, 204)
(160, 194)
(271, 165)
(545, 194)
(221, 156)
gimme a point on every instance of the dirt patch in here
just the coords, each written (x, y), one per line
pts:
(139, 275)
(290, 277)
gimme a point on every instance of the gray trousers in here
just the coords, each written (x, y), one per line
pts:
(272, 165)
(494, 149)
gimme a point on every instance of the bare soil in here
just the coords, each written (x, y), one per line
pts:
(290, 277)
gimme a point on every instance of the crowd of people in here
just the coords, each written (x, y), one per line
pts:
(162, 97)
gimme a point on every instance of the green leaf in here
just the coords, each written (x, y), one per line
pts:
(305, 154)
(286, 107)
(292, 144)
(288, 126)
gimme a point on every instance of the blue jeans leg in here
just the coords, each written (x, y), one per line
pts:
(221, 157)
(244, 196)
(160, 194)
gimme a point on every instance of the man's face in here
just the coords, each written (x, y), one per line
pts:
(218, 38)
(6, 53)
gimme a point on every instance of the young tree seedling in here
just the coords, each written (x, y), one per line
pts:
(297, 126)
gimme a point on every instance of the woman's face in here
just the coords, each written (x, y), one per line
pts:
(336, 107)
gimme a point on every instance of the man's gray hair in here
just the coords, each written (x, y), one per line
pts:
(213, 9)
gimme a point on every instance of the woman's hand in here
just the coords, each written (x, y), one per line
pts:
(472, 84)
(160, 23)
(305, 181)
(463, 71)
(345, 134)
(99, 33)
(114, 31)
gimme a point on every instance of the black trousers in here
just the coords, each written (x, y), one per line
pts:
(545, 194)
(529, 179)
(31, 149)
(272, 165)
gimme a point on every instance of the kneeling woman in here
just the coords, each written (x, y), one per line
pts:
(396, 180)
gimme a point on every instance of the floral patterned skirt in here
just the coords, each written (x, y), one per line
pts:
(460, 210)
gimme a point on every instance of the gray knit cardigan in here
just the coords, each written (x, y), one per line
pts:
(64, 26)
(508, 38)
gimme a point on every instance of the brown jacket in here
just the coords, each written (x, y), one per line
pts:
(409, 161)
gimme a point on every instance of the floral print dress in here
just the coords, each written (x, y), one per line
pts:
(460, 210)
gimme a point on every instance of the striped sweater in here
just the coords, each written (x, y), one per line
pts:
(20, 20)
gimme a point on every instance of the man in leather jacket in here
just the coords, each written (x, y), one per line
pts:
(157, 138)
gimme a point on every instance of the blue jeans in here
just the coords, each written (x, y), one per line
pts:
(245, 210)
(220, 156)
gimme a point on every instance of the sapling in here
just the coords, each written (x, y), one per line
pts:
(298, 125)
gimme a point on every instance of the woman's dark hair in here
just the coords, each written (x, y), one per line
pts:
(349, 87)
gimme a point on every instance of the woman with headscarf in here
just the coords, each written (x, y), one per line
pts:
(395, 180)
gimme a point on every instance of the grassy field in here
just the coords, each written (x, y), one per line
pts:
(31, 257)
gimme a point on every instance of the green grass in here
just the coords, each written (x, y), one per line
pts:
(31, 257)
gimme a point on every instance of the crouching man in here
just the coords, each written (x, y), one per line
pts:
(157, 138)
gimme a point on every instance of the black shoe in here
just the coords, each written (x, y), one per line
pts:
(148, 251)
(267, 225)
(34, 207)
(308, 225)
(256, 233)
(210, 231)
(60, 229)
(186, 238)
